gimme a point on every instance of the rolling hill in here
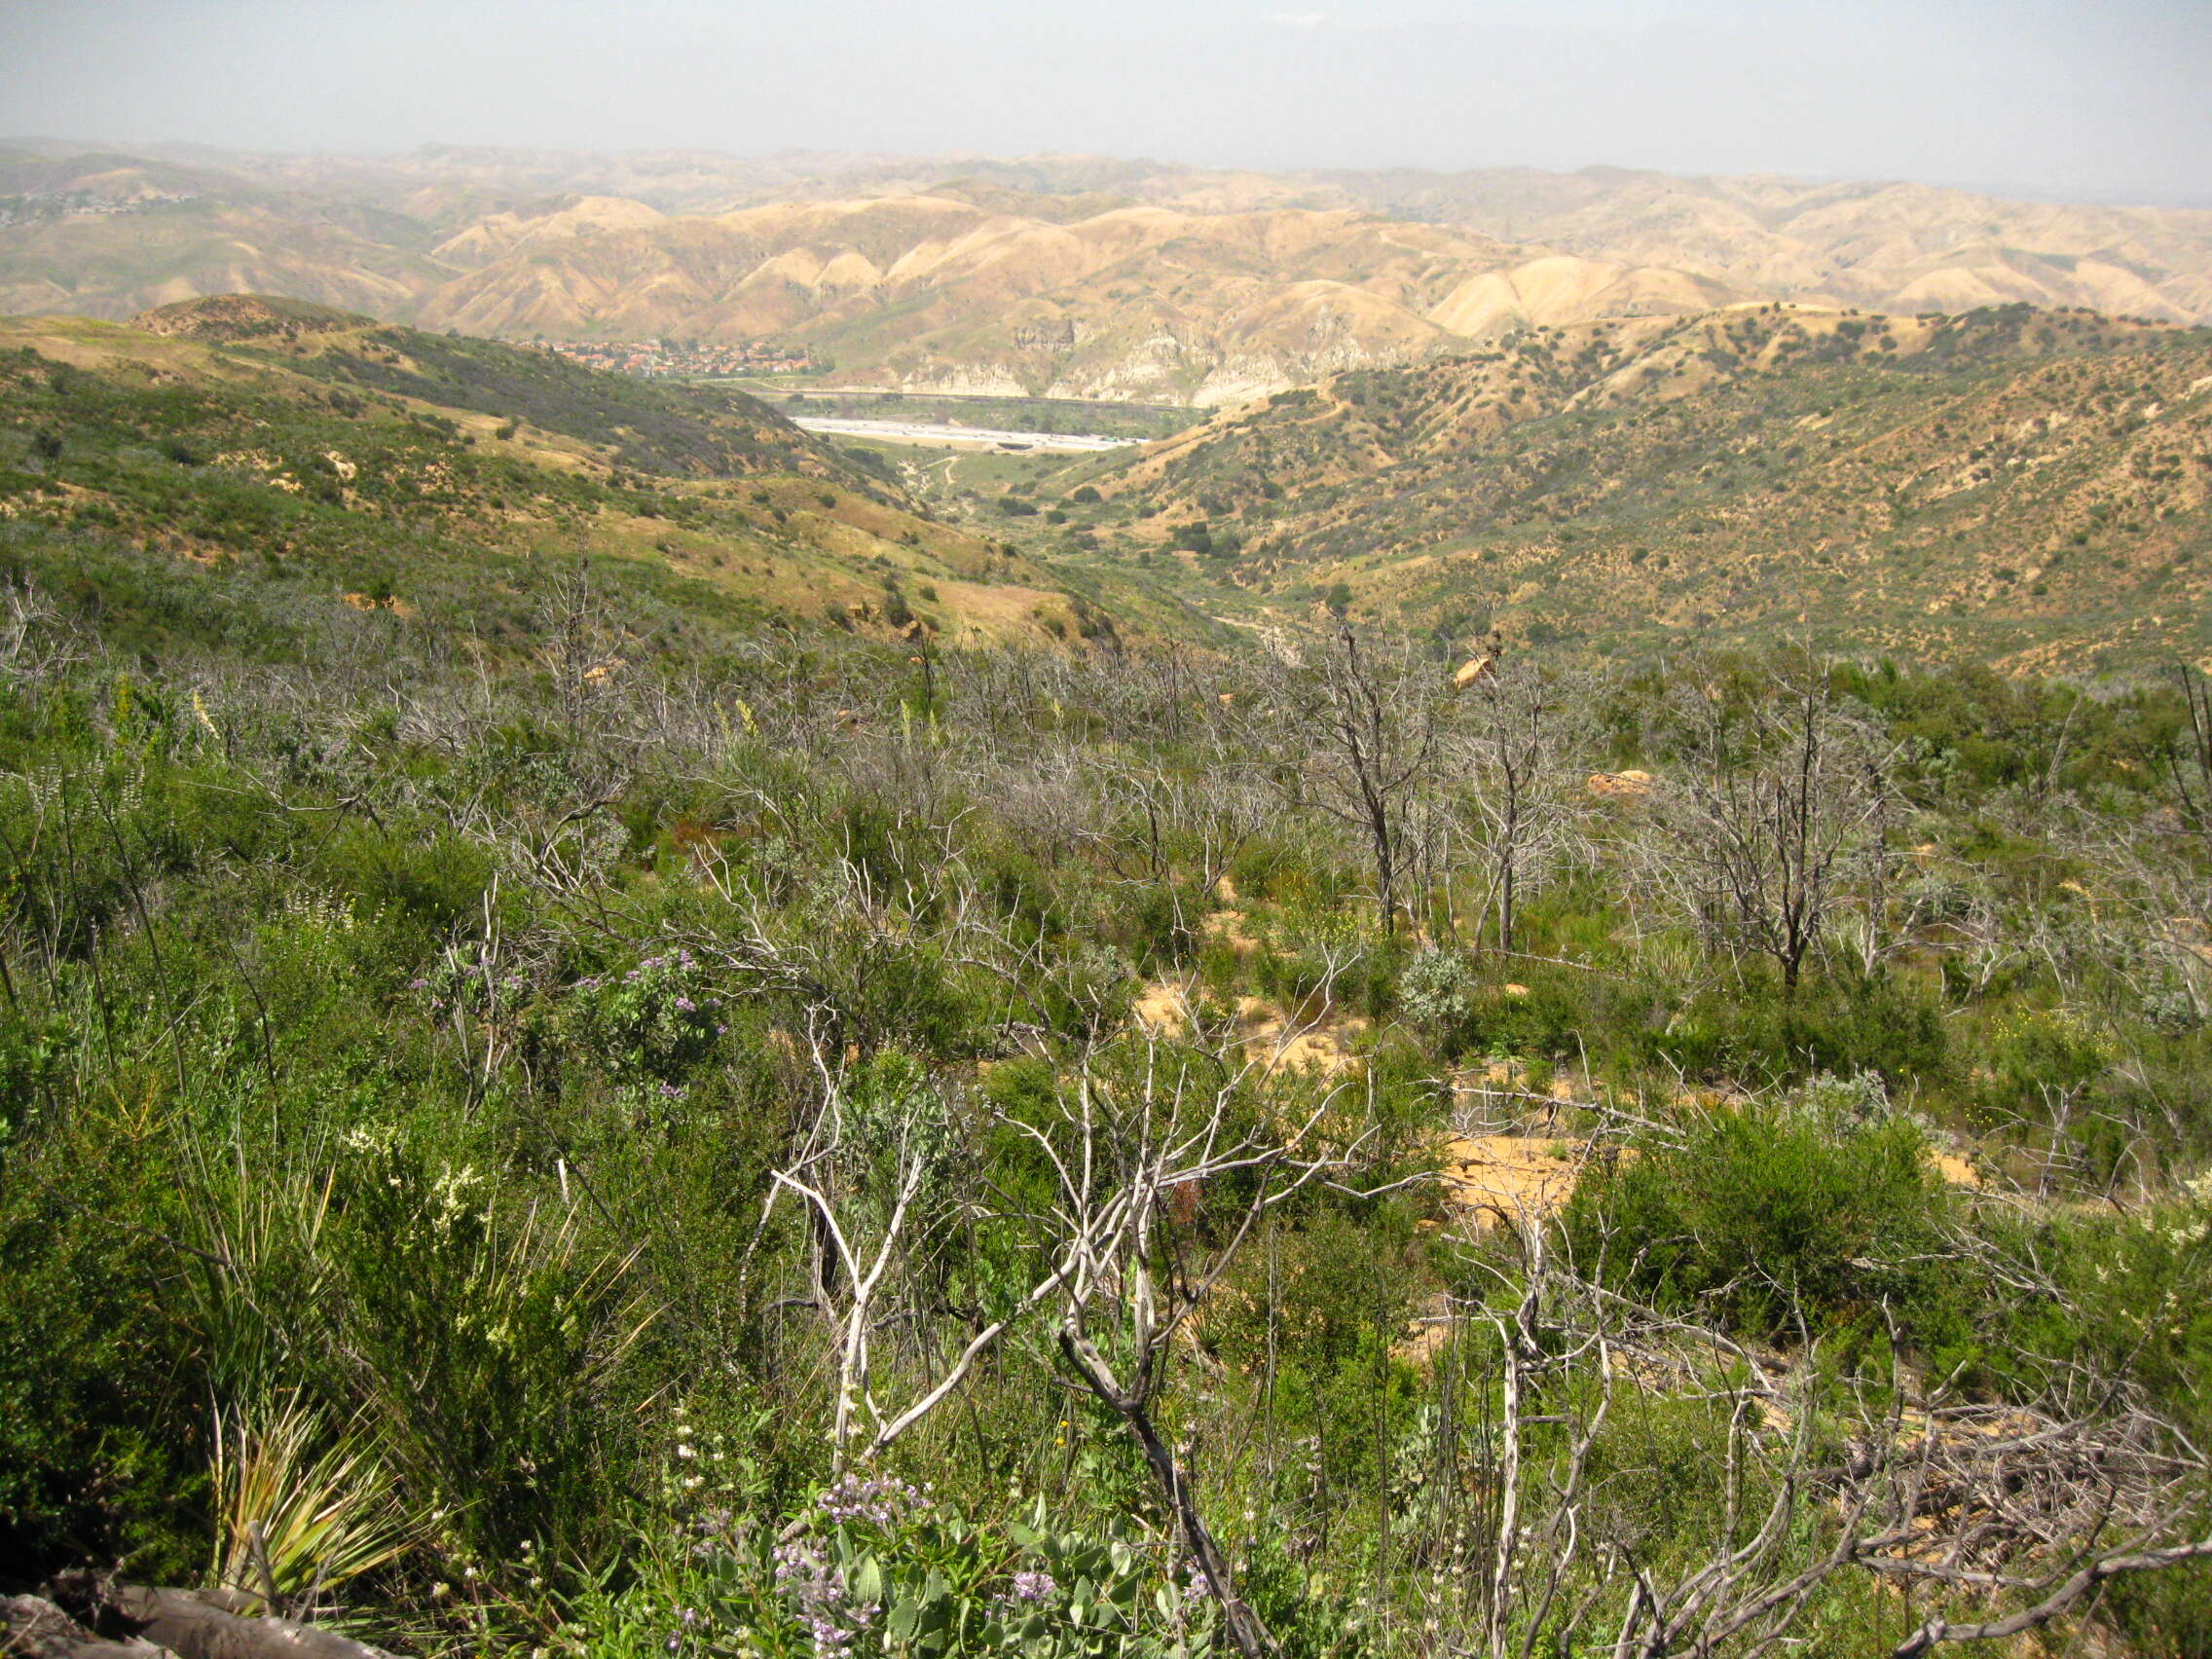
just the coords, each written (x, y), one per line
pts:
(2019, 486)
(1063, 275)
(1898, 247)
(934, 292)
(109, 234)
(268, 460)
(2013, 484)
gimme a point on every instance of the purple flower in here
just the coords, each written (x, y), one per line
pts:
(1031, 1587)
(881, 1502)
(819, 1588)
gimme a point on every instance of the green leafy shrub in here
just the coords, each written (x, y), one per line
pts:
(2136, 1296)
(481, 1344)
(2033, 1057)
(1544, 1019)
(875, 1567)
(103, 1433)
(1841, 1023)
(650, 1026)
(1437, 992)
(1760, 1213)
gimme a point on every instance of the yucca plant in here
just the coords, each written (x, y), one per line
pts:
(251, 1269)
(300, 1508)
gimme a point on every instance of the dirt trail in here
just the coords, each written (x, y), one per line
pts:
(1160, 1010)
(1509, 1178)
(1230, 923)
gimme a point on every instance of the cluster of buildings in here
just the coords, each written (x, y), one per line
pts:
(43, 204)
(657, 359)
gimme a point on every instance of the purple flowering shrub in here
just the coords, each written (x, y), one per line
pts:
(456, 980)
(875, 1567)
(650, 1026)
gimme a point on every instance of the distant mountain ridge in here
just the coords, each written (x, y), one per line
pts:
(1055, 275)
(1137, 301)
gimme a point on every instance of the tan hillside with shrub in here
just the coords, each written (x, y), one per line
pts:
(1066, 275)
(398, 469)
(2017, 484)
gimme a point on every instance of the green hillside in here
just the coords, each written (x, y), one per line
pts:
(247, 458)
(2007, 483)
(616, 1044)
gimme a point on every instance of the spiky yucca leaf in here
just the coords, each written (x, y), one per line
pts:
(321, 1505)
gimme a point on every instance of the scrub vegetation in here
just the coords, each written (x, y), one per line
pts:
(571, 1115)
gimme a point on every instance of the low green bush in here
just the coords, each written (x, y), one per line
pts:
(1841, 1022)
(2135, 1295)
(875, 1565)
(1755, 1215)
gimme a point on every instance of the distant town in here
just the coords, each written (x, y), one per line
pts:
(670, 360)
(44, 205)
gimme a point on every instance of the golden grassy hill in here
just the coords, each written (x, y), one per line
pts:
(363, 458)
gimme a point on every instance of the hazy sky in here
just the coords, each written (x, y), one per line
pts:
(2107, 99)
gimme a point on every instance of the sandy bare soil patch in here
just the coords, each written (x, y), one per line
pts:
(1505, 1178)
(1313, 1039)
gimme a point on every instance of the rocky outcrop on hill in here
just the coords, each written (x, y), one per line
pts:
(247, 316)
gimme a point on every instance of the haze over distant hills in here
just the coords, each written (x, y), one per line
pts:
(1062, 276)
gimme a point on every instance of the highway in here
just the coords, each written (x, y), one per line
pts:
(979, 437)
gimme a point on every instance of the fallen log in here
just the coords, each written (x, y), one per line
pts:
(96, 1619)
(191, 1626)
(33, 1628)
